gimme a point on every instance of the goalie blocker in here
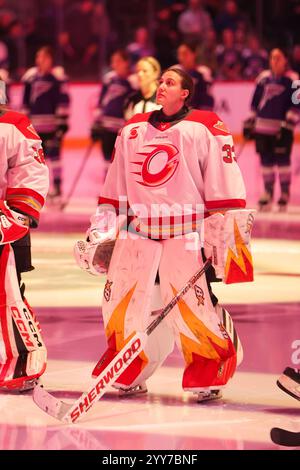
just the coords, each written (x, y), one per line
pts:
(227, 240)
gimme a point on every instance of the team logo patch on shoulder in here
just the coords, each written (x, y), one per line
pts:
(31, 129)
(221, 127)
(164, 126)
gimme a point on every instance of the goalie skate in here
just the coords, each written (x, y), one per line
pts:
(133, 391)
(208, 395)
(289, 382)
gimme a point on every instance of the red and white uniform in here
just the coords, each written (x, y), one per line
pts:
(24, 178)
(188, 165)
(24, 182)
(171, 174)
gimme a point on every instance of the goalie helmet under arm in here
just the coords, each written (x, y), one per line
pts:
(227, 241)
(13, 225)
(94, 254)
(22, 350)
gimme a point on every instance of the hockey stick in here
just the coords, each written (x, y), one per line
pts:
(285, 438)
(85, 158)
(70, 413)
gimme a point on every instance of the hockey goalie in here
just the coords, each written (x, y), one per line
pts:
(23, 187)
(174, 196)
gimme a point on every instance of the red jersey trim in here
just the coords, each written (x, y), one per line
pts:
(21, 122)
(225, 204)
(26, 192)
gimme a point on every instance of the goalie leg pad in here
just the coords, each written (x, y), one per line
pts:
(206, 347)
(127, 305)
(22, 350)
(227, 241)
(228, 324)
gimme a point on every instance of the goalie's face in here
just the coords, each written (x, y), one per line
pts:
(170, 93)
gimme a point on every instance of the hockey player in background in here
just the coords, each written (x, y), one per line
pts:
(46, 101)
(173, 171)
(109, 114)
(24, 182)
(144, 100)
(274, 116)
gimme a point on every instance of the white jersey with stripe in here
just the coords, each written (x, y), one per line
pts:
(24, 176)
(172, 174)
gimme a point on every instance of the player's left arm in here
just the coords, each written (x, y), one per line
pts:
(63, 108)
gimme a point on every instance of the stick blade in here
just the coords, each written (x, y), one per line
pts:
(48, 403)
(285, 438)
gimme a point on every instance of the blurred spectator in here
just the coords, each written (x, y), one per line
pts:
(292, 19)
(3, 56)
(16, 49)
(194, 22)
(295, 60)
(78, 42)
(7, 16)
(228, 57)
(33, 40)
(202, 98)
(255, 58)
(104, 34)
(141, 45)
(207, 51)
(229, 18)
(274, 115)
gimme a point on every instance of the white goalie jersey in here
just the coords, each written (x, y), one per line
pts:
(171, 175)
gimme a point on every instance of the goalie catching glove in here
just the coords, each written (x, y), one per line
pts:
(94, 254)
(227, 242)
(13, 225)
